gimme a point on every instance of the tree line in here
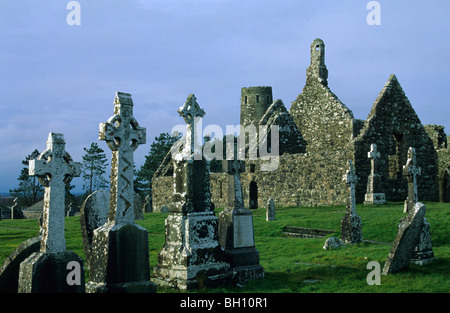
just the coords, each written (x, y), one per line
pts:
(94, 165)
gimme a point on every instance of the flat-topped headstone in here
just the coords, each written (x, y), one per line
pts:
(408, 234)
(351, 230)
(119, 255)
(374, 193)
(191, 256)
(46, 271)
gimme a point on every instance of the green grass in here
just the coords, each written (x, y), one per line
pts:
(289, 263)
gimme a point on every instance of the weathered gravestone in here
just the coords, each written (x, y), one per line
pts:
(374, 193)
(351, 230)
(191, 257)
(93, 214)
(9, 272)
(408, 234)
(270, 213)
(47, 270)
(119, 255)
(236, 234)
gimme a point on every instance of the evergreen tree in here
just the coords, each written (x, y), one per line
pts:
(30, 190)
(94, 168)
(158, 150)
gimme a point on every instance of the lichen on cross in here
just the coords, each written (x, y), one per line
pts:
(351, 179)
(54, 168)
(191, 113)
(123, 135)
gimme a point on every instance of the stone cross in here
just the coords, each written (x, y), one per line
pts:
(54, 168)
(411, 171)
(373, 155)
(234, 168)
(123, 135)
(351, 179)
(191, 113)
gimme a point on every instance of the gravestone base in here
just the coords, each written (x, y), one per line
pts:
(129, 287)
(120, 260)
(375, 198)
(44, 272)
(351, 230)
(237, 240)
(191, 257)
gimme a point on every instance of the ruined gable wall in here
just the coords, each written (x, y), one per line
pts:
(394, 126)
(323, 120)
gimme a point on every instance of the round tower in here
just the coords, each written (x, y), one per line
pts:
(254, 103)
(317, 70)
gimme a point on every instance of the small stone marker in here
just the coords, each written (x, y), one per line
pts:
(236, 234)
(411, 171)
(351, 231)
(408, 234)
(270, 213)
(46, 271)
(119, 255)
(16, 211)
(374, 187)
(332, 243)
(191, 257)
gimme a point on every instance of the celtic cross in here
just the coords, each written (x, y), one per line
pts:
(123, 135)
(54, 168)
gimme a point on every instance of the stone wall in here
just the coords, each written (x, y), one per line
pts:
(306, 179)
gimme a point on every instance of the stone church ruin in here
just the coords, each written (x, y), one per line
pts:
(318, 136)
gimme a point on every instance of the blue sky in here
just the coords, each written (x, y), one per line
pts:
(60, 78)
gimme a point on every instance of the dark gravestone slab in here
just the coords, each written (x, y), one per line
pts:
(44, 272)
(9, 272)
(119, 260)
(407, 238)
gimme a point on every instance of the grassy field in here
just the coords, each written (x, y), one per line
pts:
(295, 265)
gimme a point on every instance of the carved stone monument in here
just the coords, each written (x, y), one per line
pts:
(119, 255)
(423, 252)
(411, 171)
(191, 257)
(236, 229)
(351, 231)
(46, 270)
(374, 193)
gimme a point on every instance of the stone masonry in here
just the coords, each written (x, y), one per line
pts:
(324, 135)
